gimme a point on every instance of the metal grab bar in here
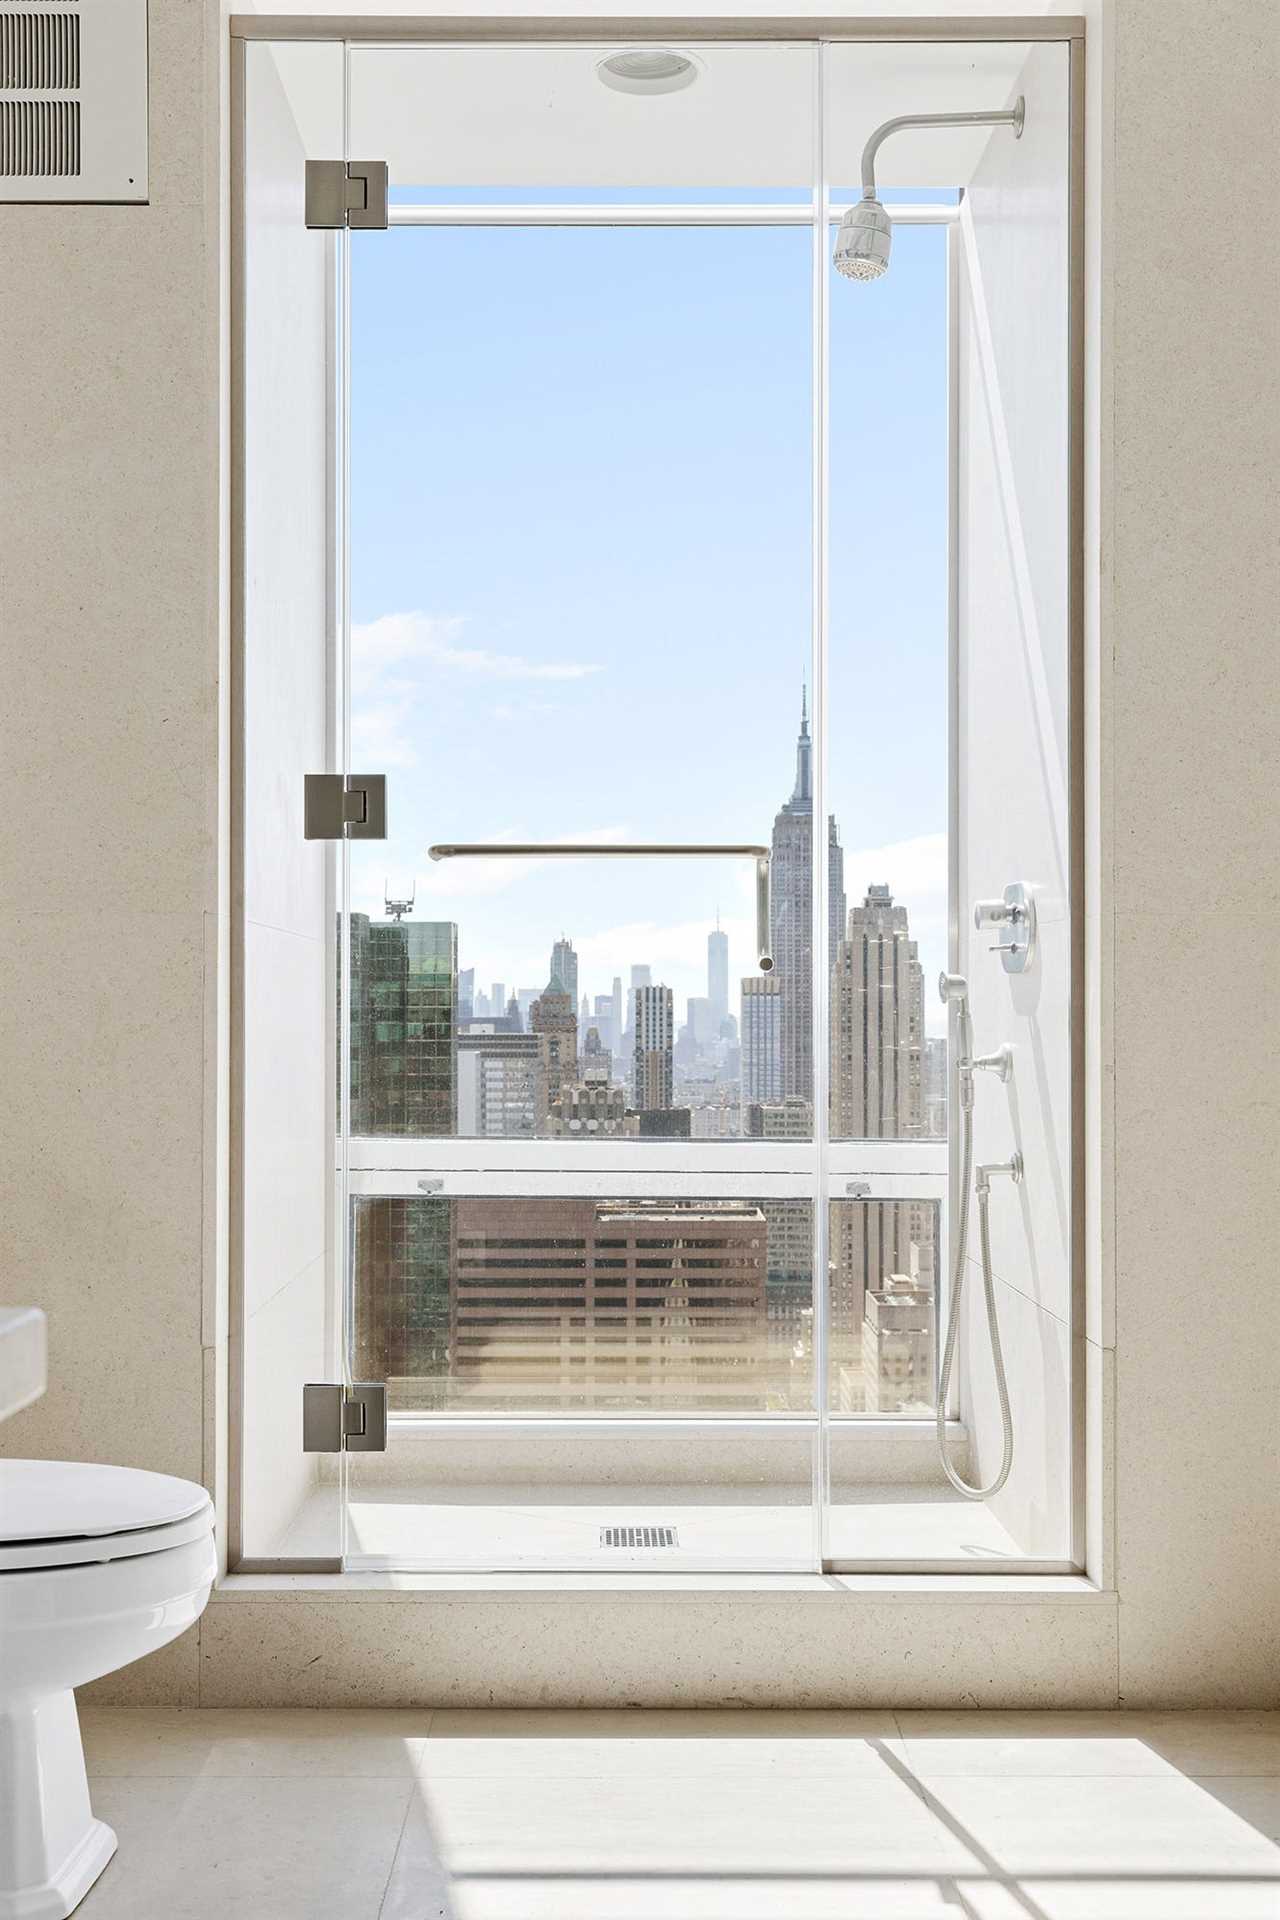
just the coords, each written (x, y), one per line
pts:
(530, 850)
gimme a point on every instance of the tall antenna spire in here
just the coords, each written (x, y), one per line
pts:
(802, 797)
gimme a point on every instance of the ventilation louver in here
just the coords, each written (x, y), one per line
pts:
(638, 1537)
(73, 100)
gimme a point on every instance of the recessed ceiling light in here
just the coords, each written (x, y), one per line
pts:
(648, 70)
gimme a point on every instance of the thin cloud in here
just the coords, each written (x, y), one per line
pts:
(387, 652)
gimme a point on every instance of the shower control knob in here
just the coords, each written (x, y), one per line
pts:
(1016, 912)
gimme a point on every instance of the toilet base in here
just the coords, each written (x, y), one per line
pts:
(51, 1847)
(61, 1896)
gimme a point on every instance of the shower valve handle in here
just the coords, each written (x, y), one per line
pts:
(997, 913)
(1016, 915)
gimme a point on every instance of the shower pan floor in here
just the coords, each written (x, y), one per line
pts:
(506, 1528)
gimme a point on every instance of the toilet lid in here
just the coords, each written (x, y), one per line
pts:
(63, 1512)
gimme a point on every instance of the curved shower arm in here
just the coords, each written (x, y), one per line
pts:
(1014, 117)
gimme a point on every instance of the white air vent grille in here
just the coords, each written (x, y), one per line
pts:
(39, 139)
(638, 1537)
(40, 52)
(73, 100)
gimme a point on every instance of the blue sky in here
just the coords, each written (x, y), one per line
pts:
(581, 479)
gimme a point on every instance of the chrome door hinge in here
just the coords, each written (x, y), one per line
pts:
(344, 806)
(346, 193)
(344, 1419)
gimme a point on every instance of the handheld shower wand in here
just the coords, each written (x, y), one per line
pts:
(954, 988)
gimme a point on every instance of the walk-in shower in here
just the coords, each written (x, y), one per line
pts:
(611, 1204)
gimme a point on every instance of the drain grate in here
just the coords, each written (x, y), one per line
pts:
(638, 1537)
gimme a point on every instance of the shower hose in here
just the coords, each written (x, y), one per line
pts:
(961, 1485)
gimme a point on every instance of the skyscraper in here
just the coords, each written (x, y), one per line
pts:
(525, 997)
(877, 1093)
(606, 1303)
(404, 1016)
(761, 1039)
(877, 1026)
(792, 916)
(935, 1088)
(718, 974)
(898, 1347)
(653, 1023)
(640, 977)
(704, 1026)
(401, 1297)
(553, 1020)
(604, 1022)
(498, 1079)
(564, 969)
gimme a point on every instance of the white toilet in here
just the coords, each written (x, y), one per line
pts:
(98, 1566)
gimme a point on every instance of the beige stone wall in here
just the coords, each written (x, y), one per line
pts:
(1192, 573)
(110, 590)
(110, 579)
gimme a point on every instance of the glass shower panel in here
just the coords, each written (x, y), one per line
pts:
(949, 669)
(888, 679)
(581, 558)
(609, 1365)
(504, 1304)
(287, 1181)
(581, 598)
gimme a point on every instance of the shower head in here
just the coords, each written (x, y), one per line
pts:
(866, 232)
(863, 242)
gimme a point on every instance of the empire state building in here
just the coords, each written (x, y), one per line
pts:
(792, 915)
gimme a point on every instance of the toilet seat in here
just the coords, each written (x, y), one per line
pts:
(65, 1513)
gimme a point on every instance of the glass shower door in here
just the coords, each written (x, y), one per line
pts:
(581, 1164)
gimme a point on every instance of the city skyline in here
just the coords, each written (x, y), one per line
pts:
(791, 930)
(581, 595)
(433, 1053)
(496, 1301)
(592, 620)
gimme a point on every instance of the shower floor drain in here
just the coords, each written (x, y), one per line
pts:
(638, 1537)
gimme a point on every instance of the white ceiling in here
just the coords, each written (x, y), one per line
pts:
(538, 116)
